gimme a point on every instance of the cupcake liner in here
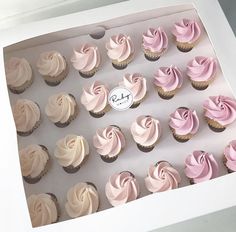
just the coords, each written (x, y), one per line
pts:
(201, 85)
(181, 138)
(108, 159)
(145, 149)
(224, 162)
(27, 133)
(101, 113)
(153, 56)
(214, 125)
(166, 95)
(54, 199)
(123, 64)
(135, 105)
(21, 89)
(89, 73)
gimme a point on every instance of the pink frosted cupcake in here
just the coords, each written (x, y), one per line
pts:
(162, 177)
(186, 33)
(201, 71)
(120, 50)
(109, 142)
(86, 60)
(155, 43)
(229, 158)
(137, 84)
(122, 188)
(219, 112)
(201, 166)
(168, 80)
(95, 99)
(146, 132)
(184, 124)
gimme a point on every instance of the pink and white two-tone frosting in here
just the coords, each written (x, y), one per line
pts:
(201, 166)
(122, 188)
(221, 109)
(186, 31)
(202, 68)
(184, 121)
(168, 78)
(86, 58)
(162, 177)
(155, 40)
(230, 156)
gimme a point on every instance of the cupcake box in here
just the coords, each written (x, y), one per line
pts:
(69, 32)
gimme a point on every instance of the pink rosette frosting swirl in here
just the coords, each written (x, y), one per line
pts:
(221, 109)
(186, 31)
(122, 188)
(95, 97)
(137, 84)
(109, 141)
(168, 78)
(162, 177)
(146, 130)
(201, 166)
(202, 68)
(184, 121)
(230, 155)
(155, 40)
(86, 58)
(120, 47)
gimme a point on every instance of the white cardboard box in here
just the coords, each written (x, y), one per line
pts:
(153, 211)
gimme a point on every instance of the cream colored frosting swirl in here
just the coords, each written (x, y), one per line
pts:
(60, 107)
(26, 114)
(82, 199)
(18, 72)
(33, 160)
(42, 209)
(71, 150)
(51, 63)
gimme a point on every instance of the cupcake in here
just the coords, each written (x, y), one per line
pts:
(201, 71)
(53, 67)
(168, 81)
(27, 116)
(146, 132)
(122, 188)
(61, 109)
(229, 157)
(82, 199)
(219, 112)
(86, 60)
(155, 43)
(184, 124)
(137, 84)
(43, 209)
(34, 160)
(95, 99)
(201, 166)
(162, 177)
(109, 142)
(120, 50)
(71, 152)
(186, 34)
(19, 74)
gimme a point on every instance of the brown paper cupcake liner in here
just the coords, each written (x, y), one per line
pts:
(54, 199)
(214, 125)
(181, 138)
(101, 113)
(108, 159)
(201, 85)
(21, 89)
(27, 133)
(153, 56)
(123, 64)
(89, 73)
(224, 162)
(166, 94)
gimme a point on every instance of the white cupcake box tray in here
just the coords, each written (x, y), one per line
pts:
(150, 211)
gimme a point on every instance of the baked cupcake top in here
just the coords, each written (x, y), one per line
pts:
(60, 107)
(168, 78)
(82, 199)
(51, 63)
(146, 130)
(120, 47)
(95, 97)
(184, 121)
(86, 58)
(122, 188)
(202, 68)
(33, 160)
(230, 156)
(201, 166)
(221, 109)
(137, 84)
(162, 177)
(109, 141)
(186, 31)
(18, 72)
(155, 40)
(26, 114)
(42, 209)
(71, 150)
